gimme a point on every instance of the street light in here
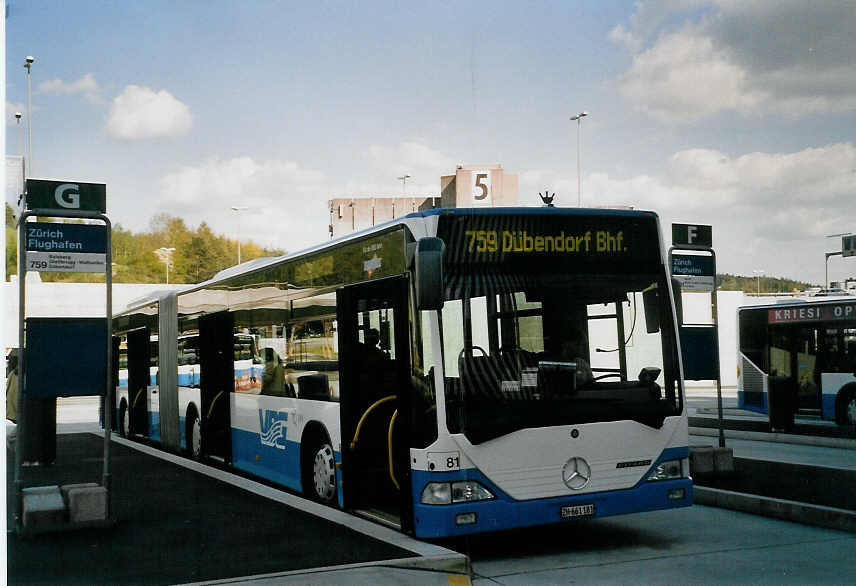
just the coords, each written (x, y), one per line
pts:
(238, 210)
(828, 254)
(165, 254)
(28, 62)
(403, 180)
(579, 118)
(18, 132)
(758, 273)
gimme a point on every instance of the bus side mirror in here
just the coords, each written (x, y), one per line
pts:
(679, 301)
(651, 305)
(429, 273)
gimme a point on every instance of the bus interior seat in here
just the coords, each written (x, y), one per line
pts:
(482, 375)
(313, 386)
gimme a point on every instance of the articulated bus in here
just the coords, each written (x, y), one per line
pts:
(810, 346)
(446, 373)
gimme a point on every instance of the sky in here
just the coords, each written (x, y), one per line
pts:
(738, 114)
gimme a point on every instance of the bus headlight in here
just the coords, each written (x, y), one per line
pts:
(445, 493)
(437, 493)
(668, 470)
(468, 491)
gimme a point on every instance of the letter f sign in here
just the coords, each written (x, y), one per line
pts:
(691, 234)
(67, 195)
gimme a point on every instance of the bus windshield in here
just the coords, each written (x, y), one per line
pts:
(536, 351)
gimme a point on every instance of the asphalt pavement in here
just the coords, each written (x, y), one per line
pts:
(180, 522)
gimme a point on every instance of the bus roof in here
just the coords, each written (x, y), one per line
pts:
(782, 304)
(259, 264)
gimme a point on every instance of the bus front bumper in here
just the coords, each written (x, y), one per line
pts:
(435, 521)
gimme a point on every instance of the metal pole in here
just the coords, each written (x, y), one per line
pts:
(108, 411)
(579, 118)
(22, 379)
(28, 63)
(826, 267)
(579, 174)
(718, 366)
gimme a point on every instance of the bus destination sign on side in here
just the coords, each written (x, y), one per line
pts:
(65, 247)
(813, 312)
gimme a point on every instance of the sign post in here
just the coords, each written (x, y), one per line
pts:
(697, 272)
(58, 247)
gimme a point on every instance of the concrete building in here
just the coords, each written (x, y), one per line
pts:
(470, 186)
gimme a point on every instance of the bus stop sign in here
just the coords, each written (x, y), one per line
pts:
(848, 245)
(692, 236)
(66, 195)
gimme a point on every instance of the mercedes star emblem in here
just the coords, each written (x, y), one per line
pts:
(576, 473)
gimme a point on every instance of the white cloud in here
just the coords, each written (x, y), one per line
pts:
(684, 78)
(286, 204)
(424, 164)
(768, 210)
(695, 58)
(86, 85)
(142, 113)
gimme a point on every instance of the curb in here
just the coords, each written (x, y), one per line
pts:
(454, 565)
(782, 438)
(820, 516)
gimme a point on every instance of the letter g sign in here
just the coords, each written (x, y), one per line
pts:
(68, 196)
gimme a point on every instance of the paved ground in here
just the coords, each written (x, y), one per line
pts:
(260, 541)
(175, 525)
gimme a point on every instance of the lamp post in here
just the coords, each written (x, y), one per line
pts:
(28, 63)
(18, 132)
(758, 273)
(579, 118)
(165, 254)
(403, 180)
(828, 254)
(238, 210)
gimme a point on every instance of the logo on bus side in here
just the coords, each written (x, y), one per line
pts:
(273, 425)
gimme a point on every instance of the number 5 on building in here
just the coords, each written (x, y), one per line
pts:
(481, 187)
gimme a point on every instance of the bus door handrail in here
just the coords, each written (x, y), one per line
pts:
(365, 414)
(211, 406)
(389, 443)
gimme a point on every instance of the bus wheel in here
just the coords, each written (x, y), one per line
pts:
(194, 435)
(124, 419)
(845, 405)
(324, 474)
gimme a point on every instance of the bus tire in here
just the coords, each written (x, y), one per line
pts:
(124, 419)
(845, 405)
(318, 468)
(193, 434)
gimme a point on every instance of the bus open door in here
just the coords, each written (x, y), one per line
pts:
(374, 352)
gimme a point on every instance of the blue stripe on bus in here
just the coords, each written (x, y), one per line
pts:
(503, 512)
(270, 463)
(752, 403)
(828, 406)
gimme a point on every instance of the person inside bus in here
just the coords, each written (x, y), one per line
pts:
(12, 398)
(371, 348)
(273, 376)
(573, 350)
(12, 386)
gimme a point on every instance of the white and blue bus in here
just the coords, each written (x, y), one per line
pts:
(809, 346)
(446, 373)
